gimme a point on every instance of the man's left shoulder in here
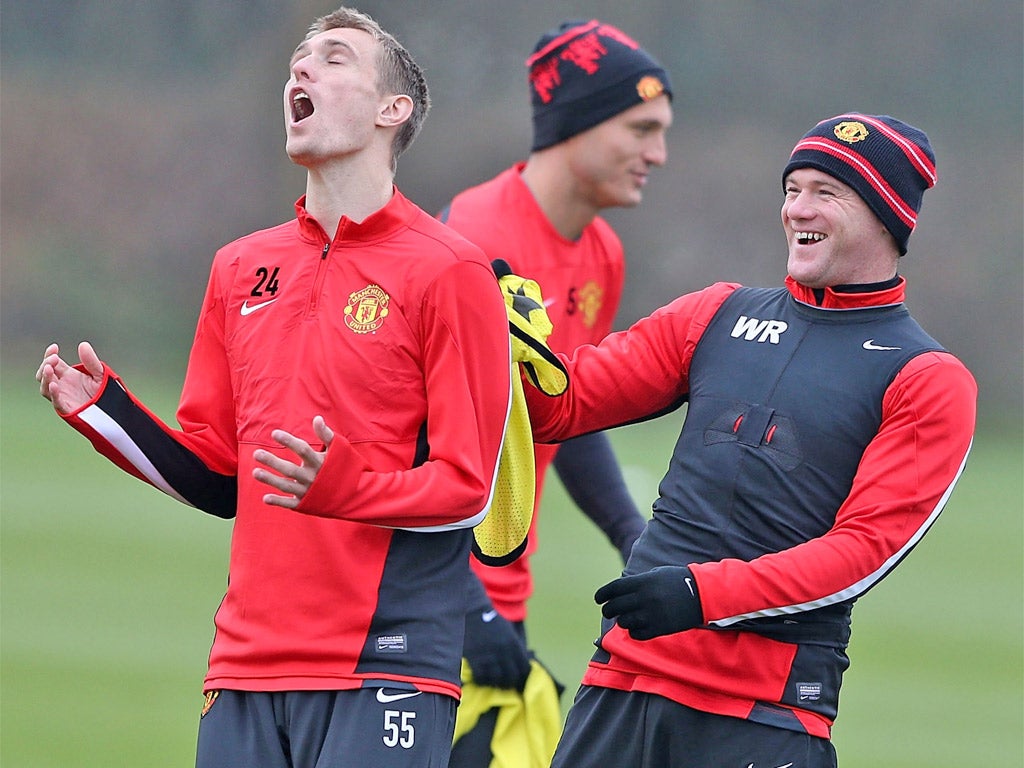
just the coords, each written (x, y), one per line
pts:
(939, 363)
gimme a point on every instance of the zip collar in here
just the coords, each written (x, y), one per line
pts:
(396, 214)
(832, 299)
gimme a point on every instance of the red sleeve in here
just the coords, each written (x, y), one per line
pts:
(467, 367)
(121, 428)
(631, 375)
(905, 477)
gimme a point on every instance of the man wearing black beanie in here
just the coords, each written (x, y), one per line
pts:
(824, 433)
(601, 106)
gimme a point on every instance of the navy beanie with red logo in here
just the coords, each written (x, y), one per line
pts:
(887, 162)
(584, 72)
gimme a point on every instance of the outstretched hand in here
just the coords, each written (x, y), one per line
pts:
(67, 387)
(659, 602)
(292, 478)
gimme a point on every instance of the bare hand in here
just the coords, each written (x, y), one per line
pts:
(293, 479)
(65, 386)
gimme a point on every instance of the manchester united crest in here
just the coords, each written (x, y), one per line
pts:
(208, 702)
(649, 87)
(367, 309)
(851, 131)
(590, 299)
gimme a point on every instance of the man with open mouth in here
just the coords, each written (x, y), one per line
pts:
(345, 402)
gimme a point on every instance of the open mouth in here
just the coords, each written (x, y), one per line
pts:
(302, 106)
(806, 238)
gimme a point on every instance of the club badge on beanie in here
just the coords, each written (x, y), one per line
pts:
(583, 72)
(887, 162)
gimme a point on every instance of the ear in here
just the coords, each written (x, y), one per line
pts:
(394, 111)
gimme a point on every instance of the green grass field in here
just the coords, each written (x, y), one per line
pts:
(109, 589)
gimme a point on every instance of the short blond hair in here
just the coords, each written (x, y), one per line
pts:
(398, 72)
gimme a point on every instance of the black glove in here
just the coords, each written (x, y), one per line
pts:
(496, 652)
(659, 602)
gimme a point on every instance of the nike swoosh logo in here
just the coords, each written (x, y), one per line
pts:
(549, 302)
(689, 586)
(869, 345)
(489, 616)
(248, 310)
(389, 698)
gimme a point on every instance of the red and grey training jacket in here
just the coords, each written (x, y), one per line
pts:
(395, 332)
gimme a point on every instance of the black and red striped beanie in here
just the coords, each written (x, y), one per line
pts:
(887, 162)
(583, 72)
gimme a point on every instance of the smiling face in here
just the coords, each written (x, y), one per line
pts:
(611, 162)
(331, 101)
(834, 238)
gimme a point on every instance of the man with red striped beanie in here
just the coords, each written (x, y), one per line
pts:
(824, 433)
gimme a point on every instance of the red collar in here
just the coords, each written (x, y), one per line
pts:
(397, 213)
(841, 300)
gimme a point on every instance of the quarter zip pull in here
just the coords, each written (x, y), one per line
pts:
(318, 282)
